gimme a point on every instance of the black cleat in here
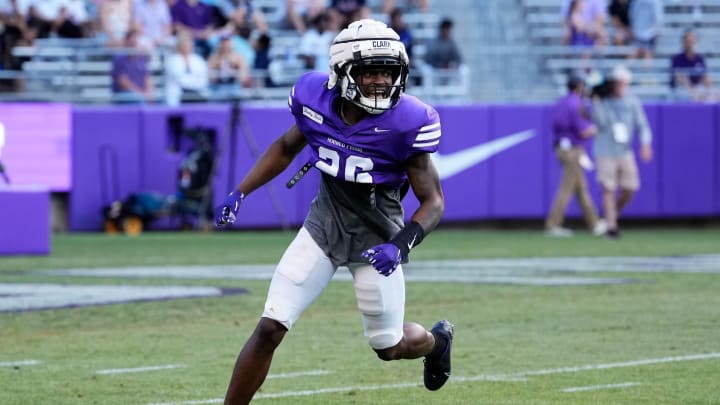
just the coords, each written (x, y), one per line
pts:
(437, 367)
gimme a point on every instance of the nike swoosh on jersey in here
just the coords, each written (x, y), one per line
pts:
(381, 130)
(454, 163)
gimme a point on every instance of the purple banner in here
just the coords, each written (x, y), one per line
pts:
(495, 162)
(24, 220)
(106, 162)
(471, 194)
(273, 205)
(35, 144)
(687, 159)
(518, 175)
(716, 140)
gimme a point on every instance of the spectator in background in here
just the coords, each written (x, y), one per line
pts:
(241, 13)
(619, 11)
(442, 52)
(186, 74)
(646, 20)
(53, 18)
(79, 16)
(240, 38)
(579, 31)
(153, 17)
(262, 58)
(411, 5)
(13, 15)
(397, 23)
(343, 12)
(689, 78)
(131, 79)
(196, 19)
(314, 46)
(572, 127)
(115, 20)
(299, 13)
(618, 115)
(592, 16)
(229, 72)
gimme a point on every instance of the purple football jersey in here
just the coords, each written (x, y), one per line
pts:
(373, 150)
(358, 204)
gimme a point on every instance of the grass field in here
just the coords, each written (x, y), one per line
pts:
(531, 331)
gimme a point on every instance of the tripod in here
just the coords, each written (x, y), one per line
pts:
(236, 118)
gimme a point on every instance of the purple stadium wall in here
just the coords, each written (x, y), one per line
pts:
(117, 151)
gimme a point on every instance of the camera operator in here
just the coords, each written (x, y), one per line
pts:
(618, 116)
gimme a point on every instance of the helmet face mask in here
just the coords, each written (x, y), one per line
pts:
(370, 65)
(374, 86)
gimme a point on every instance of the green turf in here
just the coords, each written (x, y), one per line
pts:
(502, 330)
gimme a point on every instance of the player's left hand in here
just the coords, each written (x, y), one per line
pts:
(385, 258)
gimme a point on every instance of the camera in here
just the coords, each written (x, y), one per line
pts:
(603, 89)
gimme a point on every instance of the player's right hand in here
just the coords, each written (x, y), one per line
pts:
(226, 213)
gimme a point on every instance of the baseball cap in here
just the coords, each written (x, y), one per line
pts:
(621, 73)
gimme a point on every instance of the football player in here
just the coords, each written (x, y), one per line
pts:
(371, 143)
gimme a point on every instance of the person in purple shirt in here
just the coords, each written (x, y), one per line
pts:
(689, 79)
(371, 143)
(572, 128)
(196, 18)
(131, 79)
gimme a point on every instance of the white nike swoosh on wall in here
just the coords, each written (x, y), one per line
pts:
(454, 163)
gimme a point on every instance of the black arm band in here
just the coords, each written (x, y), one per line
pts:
(408, 237)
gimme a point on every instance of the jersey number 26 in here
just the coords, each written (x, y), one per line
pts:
(356, 167)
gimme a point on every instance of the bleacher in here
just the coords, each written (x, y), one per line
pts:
(650, 77)
(75, 70)
(79, 70)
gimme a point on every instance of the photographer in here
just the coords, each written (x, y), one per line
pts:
(618, 116)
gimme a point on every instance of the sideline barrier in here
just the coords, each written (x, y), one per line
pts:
(24, 220)
(120, 150)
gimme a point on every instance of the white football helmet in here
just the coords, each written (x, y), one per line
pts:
(367, 43)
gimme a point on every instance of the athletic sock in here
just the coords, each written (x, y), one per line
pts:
(440, 345)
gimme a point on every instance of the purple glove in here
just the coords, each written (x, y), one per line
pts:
(385, 258)
(226, 213)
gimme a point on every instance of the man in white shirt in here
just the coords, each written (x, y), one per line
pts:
(186, 74)
(314, 47)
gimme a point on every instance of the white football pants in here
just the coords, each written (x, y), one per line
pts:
(303, 273)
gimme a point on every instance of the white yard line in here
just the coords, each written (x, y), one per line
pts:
(139, 369)
(305, 393)
(482, 377)
(673, 359)
(298, 374)
(19, 363)
(600, 387)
